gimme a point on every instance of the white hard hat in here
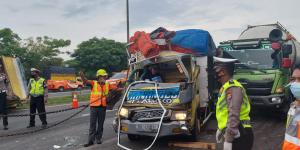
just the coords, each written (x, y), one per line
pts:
(34, 70)
(224, 60)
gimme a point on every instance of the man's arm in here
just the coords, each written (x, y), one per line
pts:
(83, 78)
(45, 91)
(234, 97)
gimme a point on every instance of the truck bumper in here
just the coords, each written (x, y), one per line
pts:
(269, 101)
(150, 128)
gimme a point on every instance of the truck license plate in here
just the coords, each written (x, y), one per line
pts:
(147, 127)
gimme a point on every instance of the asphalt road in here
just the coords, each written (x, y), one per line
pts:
(67, 93)
(72, 134)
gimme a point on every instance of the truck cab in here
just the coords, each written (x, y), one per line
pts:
(171, 106)
(265, 56)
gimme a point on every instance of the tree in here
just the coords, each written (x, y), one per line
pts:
(10, 44)
(43, 52)
(99, 53)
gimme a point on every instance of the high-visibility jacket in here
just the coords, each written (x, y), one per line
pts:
(222, 109)
(292, 133)
(37, 87)
(99, 94)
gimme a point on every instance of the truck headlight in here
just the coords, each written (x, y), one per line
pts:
(279, 90)
(179, 115)
(124, 112)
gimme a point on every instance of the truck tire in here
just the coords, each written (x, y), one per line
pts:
(61, 89)
(197, 128)
(133, 137)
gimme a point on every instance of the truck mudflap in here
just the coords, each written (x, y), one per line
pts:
(160, 122)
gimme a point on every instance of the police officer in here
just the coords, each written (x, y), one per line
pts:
(38, 95)
(3, 96)
(232, 109)
(98, 101)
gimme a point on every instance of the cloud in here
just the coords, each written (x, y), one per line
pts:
(79, 20)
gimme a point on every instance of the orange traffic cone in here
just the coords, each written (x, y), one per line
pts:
(74, 101)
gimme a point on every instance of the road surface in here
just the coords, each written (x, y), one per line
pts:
(73, 133)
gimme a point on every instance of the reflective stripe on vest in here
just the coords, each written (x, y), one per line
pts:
(98, 95)
(291, 139)
(292, 133)
(37, 87)
(222, 109)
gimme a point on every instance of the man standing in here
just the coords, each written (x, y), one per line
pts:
(38, 95)
(232, 109)
(98, 99)
(292, 133)
(3, 96)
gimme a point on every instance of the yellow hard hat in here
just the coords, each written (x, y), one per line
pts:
(101, 72)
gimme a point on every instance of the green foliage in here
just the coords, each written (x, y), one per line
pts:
(10, 44)
(98, 53)
(43, 51)
(40, 52)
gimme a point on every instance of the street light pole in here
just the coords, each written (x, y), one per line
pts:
(127, 19)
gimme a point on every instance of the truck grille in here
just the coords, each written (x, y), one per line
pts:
(257, 88)
(146, 115)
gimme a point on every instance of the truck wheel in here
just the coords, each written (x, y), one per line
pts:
(61, 89)
(133, 137)
(197, 128)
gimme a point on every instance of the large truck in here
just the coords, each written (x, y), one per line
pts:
(180, 104)
(266, 54)
(62, 78)
(17, 85)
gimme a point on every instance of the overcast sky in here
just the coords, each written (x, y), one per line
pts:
(80, 20)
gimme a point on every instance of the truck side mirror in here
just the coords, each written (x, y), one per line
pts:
(287, 50)
(286, 63)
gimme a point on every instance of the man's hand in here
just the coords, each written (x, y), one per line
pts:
(219, 136)
(227, 146)
(237, 135)
(81, 73)
(28, 98)
(46, 99)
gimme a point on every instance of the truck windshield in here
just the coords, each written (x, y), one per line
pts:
(253, 58)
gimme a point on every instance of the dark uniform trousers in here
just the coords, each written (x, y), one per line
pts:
(97, 117)
(245, 141)
(3, 107)
(37, 103)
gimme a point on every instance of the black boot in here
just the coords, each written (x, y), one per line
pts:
(5, 127)
(88, 144)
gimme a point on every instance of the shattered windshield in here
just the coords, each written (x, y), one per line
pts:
(252, 58)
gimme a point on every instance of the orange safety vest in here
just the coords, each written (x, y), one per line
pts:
(99, 94)
(292, 133)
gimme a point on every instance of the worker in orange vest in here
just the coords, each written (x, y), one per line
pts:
(292, 133)
(98, 100)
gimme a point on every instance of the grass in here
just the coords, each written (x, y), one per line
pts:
(58, 101)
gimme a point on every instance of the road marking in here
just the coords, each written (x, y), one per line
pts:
(84, 115)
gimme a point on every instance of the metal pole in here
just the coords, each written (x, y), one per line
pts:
(127, 19)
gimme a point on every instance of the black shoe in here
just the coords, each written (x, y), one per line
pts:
(44, 126)
(30, 126)
(5, 128)
(88, 144)
(99, 142)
